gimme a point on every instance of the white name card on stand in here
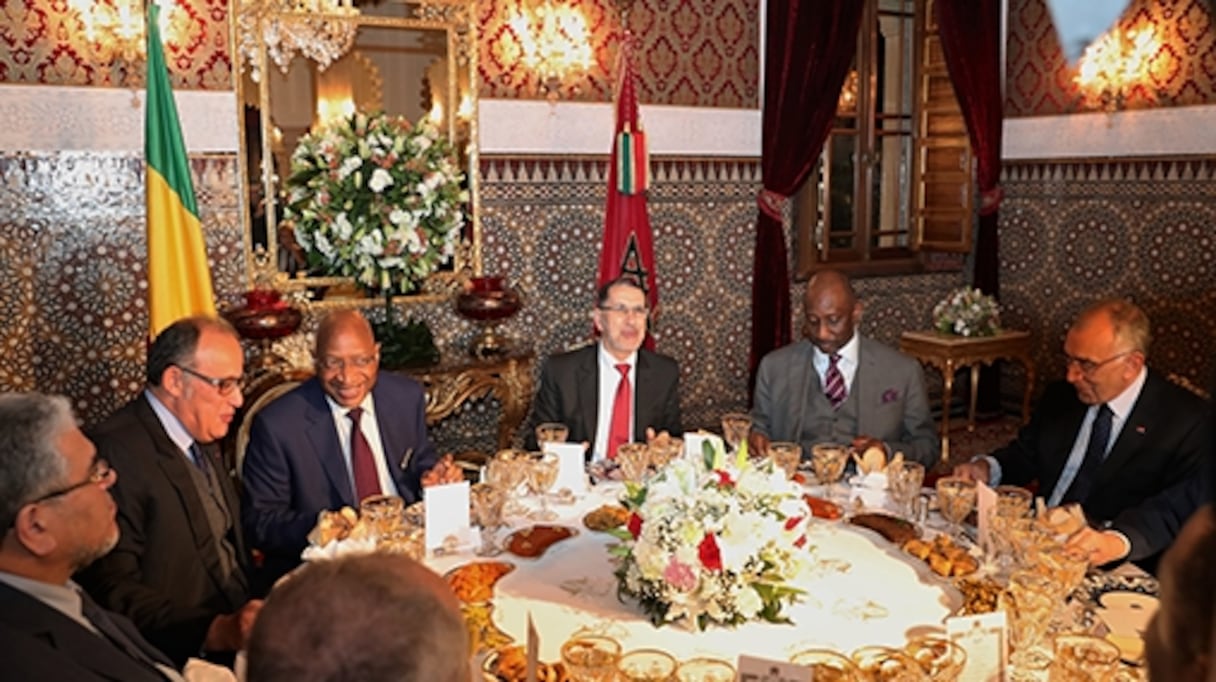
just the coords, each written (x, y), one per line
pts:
(693, 441)
(764, 669)
(985, 502)
(571, 469)
(983, 638)
(447, 514)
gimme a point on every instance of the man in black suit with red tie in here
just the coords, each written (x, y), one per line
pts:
(58, 516)
(1118, 438)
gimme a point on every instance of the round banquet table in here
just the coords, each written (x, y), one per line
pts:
(863, 590)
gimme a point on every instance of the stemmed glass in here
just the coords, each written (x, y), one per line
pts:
(889, 665)
(1029, 602)
(551, 432)
(828, 665)
(904, 481)
(487, 512)
(828, 460)
(705, 670)
(542, 474)
(646, 665)
(955, 500)
(1080, 658)
(507, 471)
(735, 427)
(591, 658)
(941, 658)
(633, 458)
(786, 456)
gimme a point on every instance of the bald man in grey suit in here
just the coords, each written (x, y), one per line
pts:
(836, 386)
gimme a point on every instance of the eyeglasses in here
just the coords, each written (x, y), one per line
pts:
(1088, 367)
(224, 385)
(99, 471)
(625, 311)
(338, 364)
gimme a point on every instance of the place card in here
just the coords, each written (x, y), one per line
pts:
(447, 514)
(693, 441)
(985, 502)
(754, 669)
(983, 638)
(571, 471)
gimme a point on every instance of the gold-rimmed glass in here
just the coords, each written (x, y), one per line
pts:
(735, 427)
(1028, 602)
(384, 514)
(591, 658)
(507, 470)
(487, 502)
(885, 664)
(828, 460)
(542, 469)
(1083, 658)
(828, 665)
(941, 658)
(904, 481)
(551, 432)
(785, 456)
(705, 669)
(955, 500)
(646, 665)
(634, 460)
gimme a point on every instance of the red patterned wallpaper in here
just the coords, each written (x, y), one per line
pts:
(43, 41)
(1183, 70)
(691, 52)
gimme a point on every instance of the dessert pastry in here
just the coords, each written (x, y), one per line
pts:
(893, 528)
(475, 582)
(823, 509)
(533, 541)
(944, 556)
(606, 517)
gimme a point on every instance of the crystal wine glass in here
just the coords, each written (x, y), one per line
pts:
(646, 665)
(885, 664)
(904, 481)
(1028, 602)
(633, 458)
(705, 670)
(542, 474)
(955, 500)
(828, 665)
(591, 658)
(507, 471)
(551, 432)
(940, 657)
(828, 460)
(786, 456)
(487, 512)
(735, 427)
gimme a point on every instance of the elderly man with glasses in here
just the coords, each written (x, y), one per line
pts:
(348, 433)
(181, 570)
(58, 517)
(1117, 437)
(614, 391)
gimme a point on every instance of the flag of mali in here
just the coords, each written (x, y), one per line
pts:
(179, 281)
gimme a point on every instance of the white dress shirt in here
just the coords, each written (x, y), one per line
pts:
(847, 363)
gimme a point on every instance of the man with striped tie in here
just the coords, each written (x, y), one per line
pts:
(838, 386)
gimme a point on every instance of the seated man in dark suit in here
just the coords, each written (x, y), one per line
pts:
(382, 618)
(614, 391)
(1178, 641)
(58, 517)
(347, 433)
(838, 386)
(181, 569)
(1117, 438)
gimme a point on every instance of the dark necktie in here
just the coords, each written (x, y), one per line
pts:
(1095, 453)
(199, 459)
(833, 382)
(362, 463)
(618, 429)
(110, 630)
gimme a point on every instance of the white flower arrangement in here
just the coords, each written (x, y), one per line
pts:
(375, 198)
(967, 312)
(708, 543)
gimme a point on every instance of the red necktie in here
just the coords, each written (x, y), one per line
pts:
(362, 464)
(618, 431)
(833, 382)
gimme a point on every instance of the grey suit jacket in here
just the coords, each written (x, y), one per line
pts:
(889, 387)
(569, 393)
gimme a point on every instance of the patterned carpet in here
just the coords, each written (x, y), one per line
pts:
(989, 434)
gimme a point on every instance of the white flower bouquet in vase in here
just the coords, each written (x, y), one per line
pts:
(967, 312)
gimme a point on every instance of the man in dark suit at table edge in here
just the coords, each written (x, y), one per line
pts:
(580, 388)
(1151, 439)
(58, 517)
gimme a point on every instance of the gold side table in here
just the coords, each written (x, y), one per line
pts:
(948, 353)
(452, 383)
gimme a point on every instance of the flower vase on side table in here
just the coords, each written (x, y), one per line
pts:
(487, 301)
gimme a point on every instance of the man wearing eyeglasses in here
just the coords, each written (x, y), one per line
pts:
(58, 517)
(348, 433)
(1117, 438)
(612, 392)
(181, 569)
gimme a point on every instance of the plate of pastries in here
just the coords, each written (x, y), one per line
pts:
(474, 582)
(606, 517)
(944, 556)
(510, 664)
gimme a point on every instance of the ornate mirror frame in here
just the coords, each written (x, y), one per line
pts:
(253, 29)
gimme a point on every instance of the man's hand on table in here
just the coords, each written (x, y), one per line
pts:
(445, 471)
(1099, 546)
(230, 631)
(757, 444)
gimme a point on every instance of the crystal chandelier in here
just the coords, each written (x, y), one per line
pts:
(320, 30)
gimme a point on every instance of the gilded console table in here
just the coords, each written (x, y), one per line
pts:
(948, 353)
(453, 382)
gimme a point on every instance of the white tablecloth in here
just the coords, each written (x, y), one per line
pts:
(864, 591)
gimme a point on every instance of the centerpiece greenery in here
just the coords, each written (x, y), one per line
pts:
(712, 542)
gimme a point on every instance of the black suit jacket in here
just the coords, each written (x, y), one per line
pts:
(1165, 441)
(569, 393)
(165, 573)
(39, 643)
(294, 468)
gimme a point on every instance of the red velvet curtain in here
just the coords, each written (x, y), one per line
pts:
(970, 33)
(809, 47)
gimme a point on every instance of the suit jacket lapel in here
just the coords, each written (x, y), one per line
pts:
(643, 403)
(393, 439)
(323, 436)
(587, 378)
(1132, 434)
(1060, 442)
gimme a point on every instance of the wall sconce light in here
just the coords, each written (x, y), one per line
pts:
(1114, 65)
(114, 29)
(847, 102)
(556, 44)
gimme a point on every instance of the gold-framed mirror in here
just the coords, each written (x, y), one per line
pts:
(299, 64)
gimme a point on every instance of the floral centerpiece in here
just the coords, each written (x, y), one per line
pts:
(375, 198)
(967, 312)
(714, 544)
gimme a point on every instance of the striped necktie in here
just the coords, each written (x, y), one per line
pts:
(833, 382)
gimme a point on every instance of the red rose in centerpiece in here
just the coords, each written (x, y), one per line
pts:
(711, 558)
(634, 525)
